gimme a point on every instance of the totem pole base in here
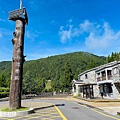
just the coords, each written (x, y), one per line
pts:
(16, 114)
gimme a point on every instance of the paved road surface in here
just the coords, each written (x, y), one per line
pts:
(74, 111)
(69, 110)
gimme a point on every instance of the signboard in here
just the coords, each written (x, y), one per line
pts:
(18, 14)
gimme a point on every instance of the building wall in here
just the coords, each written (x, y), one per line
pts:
(88, 77)
(116, 92)
(91, 79)
(96, 91)
(113, 79)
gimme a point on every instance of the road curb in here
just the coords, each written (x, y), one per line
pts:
(101, 111)
(90, 106)
(98, 100)
(16, 114)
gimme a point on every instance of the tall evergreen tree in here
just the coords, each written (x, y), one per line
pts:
(68, 77)
(113, 57)
(91, 64)
(40, 84)
(28, 83)
(3, 82)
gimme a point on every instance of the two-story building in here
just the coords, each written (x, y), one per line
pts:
(108, 79)
(105, 78)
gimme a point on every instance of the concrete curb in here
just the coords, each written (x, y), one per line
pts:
(98, 100)
(101, 110)
(90, 106)
(16, 114)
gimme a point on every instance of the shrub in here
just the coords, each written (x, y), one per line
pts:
(79, 95)
(4, 92)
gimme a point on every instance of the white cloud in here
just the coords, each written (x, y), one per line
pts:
(2, 20)
(102, 37)
(5, 32)
(33, 5)
(86, 26)
(32, 34)
(65, 34)
(70, 20)
(27, 33)
(0, 35)
(95, 36)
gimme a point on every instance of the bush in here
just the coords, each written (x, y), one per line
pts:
(50, 90)
(79, 95)
(4, 92)
(3, 89)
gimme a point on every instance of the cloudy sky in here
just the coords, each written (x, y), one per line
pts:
(63, 26)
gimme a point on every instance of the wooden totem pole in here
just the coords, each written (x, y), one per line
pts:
(20, 16)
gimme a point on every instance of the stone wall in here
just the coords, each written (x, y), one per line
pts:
(116, 92)
(88, 77)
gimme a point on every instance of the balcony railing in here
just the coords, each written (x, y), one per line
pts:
(98, 79)
(104, 78)
(109, 77)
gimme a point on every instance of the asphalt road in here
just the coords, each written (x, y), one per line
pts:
(74, 111)
(64, 110)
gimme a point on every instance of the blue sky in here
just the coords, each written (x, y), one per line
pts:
(63, 26)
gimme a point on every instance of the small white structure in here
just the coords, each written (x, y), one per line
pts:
(76, 87)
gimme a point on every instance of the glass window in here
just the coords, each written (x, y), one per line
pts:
(86, 76)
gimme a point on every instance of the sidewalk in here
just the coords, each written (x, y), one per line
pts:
(43, 111)
(27, 104)
(110, 106)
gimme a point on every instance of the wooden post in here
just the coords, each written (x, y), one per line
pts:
(17, 66)
(18, 58)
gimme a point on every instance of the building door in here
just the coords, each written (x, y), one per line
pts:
(107, 89)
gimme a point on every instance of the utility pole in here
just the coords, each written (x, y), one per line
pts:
(21, 19)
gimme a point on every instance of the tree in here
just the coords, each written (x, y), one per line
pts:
(66, 81)
(28, 83)
(91, 64)
(40, 84)
(3, 81)
(113, 57)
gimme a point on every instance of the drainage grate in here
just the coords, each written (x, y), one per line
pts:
(75, 108)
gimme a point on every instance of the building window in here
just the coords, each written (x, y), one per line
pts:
(86, 76)
(109, 72)
(98, 74)
(103, 73)
(74, 88)
(81, 89)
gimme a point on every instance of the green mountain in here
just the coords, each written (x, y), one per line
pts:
(4, 65)
(47, 67)
(53, 68)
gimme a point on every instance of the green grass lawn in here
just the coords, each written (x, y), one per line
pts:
(14, 110)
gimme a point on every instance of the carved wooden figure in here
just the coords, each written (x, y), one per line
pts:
(18, 57)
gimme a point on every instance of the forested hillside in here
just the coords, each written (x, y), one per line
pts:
(60, 69)
(51, 67)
